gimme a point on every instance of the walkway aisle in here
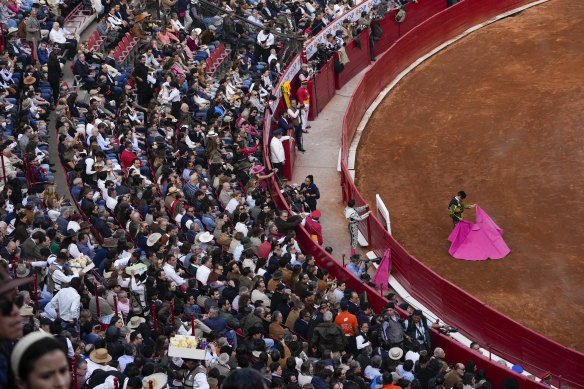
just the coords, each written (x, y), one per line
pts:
(322, 145)
(60, 177)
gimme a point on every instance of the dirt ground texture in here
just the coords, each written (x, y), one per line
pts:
(499, 114)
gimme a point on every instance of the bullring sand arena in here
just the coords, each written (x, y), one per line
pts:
(499, 114)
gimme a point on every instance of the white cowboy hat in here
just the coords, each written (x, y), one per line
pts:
(153, 239)
(205, 237)
(159, 381)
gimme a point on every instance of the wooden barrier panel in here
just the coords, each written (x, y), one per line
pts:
(324, 84)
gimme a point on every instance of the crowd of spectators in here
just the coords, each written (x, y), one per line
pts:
(170, 228)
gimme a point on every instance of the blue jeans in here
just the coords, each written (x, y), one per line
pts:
(232, 338)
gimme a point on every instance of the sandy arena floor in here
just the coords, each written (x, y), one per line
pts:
(499, 114)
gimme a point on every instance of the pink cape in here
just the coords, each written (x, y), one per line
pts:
(381, 277)
(478, 241)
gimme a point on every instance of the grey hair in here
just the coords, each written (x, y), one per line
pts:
(437, 352)
(328, 316)
(258, 311)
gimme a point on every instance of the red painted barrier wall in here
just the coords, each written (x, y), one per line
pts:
(493, 330)
(506, 337)
(324, 84)
(359, 59)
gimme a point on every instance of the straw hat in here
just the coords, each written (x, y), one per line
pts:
(100, 356)
(396, 353)
(22, 271)
(153, 239)
(29, 80)
(135, 322)
(142, 16)
(26, 310)
(159, 381)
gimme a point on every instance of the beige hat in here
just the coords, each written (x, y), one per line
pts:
(396, 353)
(135, 322)
(22, 271)
(23, 345)
(153, 239)
(100, 356)
(159, 381)
(12, 30)
(26, 310)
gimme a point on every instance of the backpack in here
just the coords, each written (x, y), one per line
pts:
(400, 15)
(377, 32)
(135, 305)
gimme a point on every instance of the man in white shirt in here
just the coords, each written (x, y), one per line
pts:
(169, 269)
(204, 270)
(277, 155)
(66, 303)
(151, 62)
(259, 294)
(265, 41)
(63, 39)
(116, 22)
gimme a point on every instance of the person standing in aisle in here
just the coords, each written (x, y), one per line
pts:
(353, 217)
(277, 155)
(304, 100)
(310, 192)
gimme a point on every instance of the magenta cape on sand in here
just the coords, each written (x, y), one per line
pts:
(478, 241)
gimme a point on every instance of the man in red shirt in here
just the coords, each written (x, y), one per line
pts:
(304, 102)
(127, 159)
(313, 226)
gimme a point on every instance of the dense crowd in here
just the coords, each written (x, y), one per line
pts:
(170, 228)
